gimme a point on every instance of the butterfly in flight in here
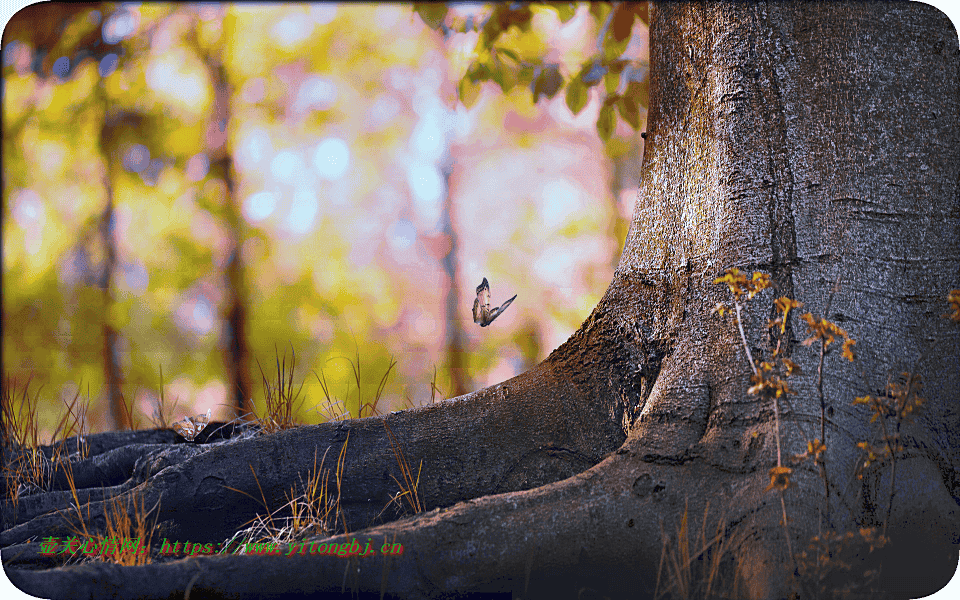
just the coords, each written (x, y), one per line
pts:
(190, 427)
(482, 313)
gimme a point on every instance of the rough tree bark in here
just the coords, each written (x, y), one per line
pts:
(817, 143)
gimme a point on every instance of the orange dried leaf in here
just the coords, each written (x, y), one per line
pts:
(785, 305)
(848, 349)
(792, 367)
(779, 478)
(954, 299)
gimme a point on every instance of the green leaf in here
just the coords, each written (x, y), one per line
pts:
(526, 74)
(639, 91)
(605, 122)
(432, 13)
(611, 81)
(592, 73)
(566, 10)
(613, 49)
(479, 72)
(501, 19)
(629, 111)
(507, 52)
(503, 74)
(547, 83)
(577, 95)
(468, 91)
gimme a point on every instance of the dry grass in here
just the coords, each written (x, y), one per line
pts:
(282, 400)
(19, 419)
(28, 469)
(409, 486)
(160, 419)
(126, 539)
(698, 568)
(128, 536)
(313, 511)
(338, 409)
(435, 389)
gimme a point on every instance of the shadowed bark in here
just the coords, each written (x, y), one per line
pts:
(817, 143)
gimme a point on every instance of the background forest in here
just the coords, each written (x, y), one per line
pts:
(192, 192)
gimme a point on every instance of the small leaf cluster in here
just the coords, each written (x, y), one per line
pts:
(829, 559)
(900, 403)
(954, 299)
(815, 449)
(826, 332)
(769, 378)
(779, 478)
(828, 562)
(740, 286)
(625, 84)
(766, 378)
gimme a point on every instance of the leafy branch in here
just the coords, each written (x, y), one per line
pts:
(503, 55)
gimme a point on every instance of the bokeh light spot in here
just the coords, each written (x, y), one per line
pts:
(331, 158)
(259, 206)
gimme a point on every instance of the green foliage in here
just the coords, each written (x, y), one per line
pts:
(432, 13)
(503, 55)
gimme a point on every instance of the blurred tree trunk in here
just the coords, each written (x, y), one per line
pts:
(817, 143)
(119, 416)
(453, 325)
(235, 341)
(113, 370)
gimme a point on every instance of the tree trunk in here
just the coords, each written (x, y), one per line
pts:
(453, 326)
(817, 143)
(237, 353)
(118, 417)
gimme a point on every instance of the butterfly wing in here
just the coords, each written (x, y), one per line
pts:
(506, 304)
(190, 427)
(481, 306)
(185, 428)
(201, 421)
(498, 311)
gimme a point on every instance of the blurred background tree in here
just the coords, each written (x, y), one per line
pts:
(201, 188)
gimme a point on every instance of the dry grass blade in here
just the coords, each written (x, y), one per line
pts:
(341, 459)
(685, 573)
(127, 540)
(74, 421)
(434, 388)
(337, 409)
(409, 487)
(81, 529)
(160, 420)
(383, 384)
(313, 511)
(263, 498)
(19, 424)
(281, 400)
